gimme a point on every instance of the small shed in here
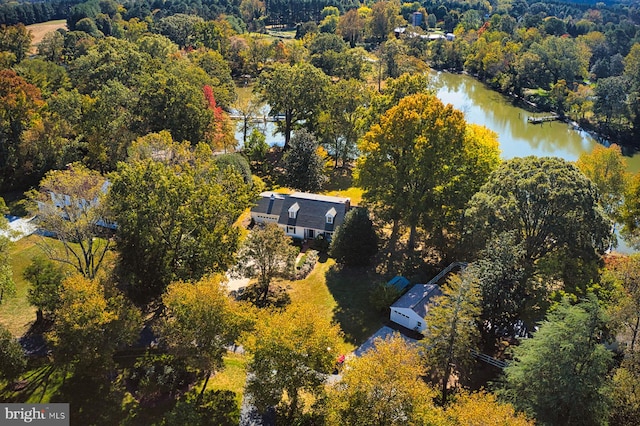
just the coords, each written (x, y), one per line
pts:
(409, 311)
(399, 283)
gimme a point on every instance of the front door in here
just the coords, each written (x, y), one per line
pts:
(310, 233)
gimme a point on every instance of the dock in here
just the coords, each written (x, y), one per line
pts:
(540, 120)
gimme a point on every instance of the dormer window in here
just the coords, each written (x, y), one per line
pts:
(331, 214)
(293, 211)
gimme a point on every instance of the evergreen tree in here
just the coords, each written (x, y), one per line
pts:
(558, 376)
(451, 331)
(355, 241)
(304, 167)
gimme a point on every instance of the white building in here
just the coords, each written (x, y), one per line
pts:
(302, 215)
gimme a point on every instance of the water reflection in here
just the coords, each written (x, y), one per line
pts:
(480, 105)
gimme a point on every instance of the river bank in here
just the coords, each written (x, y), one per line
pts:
(622, 137)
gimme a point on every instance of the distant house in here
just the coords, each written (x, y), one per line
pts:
(409, 310)
(71, 208)
(302, 215)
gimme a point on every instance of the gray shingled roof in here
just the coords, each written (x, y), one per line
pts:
(312, 212)
(420, 295)
(418, 298)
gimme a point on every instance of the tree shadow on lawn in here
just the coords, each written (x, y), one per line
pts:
(91, 399)
(351, 288)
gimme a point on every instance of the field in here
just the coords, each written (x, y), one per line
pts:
(39, 30)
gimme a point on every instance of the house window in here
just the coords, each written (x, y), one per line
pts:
(293, 211)
(291, 229)
(330, 215)
(419, 324)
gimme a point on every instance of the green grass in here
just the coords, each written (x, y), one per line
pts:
(343, 295)
(233, 377)
(41, 383)
(15, 312)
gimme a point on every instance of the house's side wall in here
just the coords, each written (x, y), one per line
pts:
(264, 218)
(407, 318)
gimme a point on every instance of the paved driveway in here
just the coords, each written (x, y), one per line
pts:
(382, 333)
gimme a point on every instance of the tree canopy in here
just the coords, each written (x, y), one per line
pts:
(175, 219)
(296, 91)
(355, 241)
(414, 165)
(558, 376)
(292, 351)
(546, 201)
(71, 205)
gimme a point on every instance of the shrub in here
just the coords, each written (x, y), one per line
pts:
(306, 264)
(321, 244)
(383, 296)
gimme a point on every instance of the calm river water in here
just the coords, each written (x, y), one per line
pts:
(518, 137)
(480, 105)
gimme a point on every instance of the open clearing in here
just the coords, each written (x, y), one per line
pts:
(39, 30)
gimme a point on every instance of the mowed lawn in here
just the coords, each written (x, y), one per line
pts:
(342, 294)
(15, 311)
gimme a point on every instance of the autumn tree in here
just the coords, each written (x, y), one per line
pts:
(625, 306)
(482, 408)
(355, 241)
(266, 254)
(606, 167)
(625, 392)
(15, 39)
(46, 285)
(292, 352)
(414, 163)
(384, 386)
(199, 323)
(303, 164)
(351, 27)
(70, 204)
(630, 212)
(175, 218)
(558, 376)
(20, 103)
(90, 324)
(452, 331)
(295, 91)
(220, 133)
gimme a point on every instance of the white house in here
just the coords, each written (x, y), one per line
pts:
(409, 310)
(301, 215)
